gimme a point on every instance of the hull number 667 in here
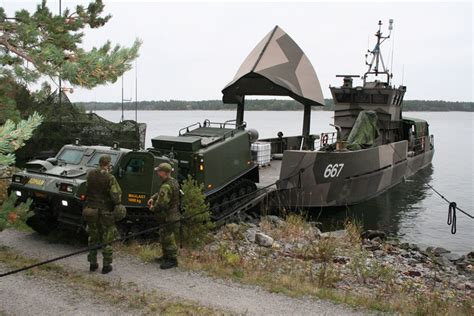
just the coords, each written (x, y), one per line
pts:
(333, 170)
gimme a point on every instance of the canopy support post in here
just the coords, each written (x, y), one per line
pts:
(240, 112)
(306, 125)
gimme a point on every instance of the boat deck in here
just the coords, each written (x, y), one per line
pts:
(269, 174)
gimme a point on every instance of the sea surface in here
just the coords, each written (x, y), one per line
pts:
(411, 210)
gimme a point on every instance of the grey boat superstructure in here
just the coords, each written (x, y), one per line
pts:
(373, 148)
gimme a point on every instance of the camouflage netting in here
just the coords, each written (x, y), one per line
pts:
(364, 132)
(64, 123)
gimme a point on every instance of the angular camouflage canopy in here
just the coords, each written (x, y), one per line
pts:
(276, 66)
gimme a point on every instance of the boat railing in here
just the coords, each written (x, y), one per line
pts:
(207, 123)
(325, 139)
(419, 144)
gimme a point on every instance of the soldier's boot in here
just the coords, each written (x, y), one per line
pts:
(93, 267)
(106, 269)
(169, 263)
(107, 259)
(92, 258)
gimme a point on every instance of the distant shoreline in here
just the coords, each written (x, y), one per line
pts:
(263, 105)
(230, 110)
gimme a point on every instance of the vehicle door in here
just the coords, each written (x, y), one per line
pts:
(135, 176)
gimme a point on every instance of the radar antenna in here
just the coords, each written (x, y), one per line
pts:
(377, 65)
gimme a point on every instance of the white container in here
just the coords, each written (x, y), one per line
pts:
(261, 153)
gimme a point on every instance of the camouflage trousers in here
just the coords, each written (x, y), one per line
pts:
(102, 230)
(168, 235)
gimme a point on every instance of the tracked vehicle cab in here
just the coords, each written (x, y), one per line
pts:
(56, 185)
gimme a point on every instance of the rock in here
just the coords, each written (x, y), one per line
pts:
(250, 234)
(340, 259)
(379, 253)
(443, 261)
(317, 232)
(413, 273)
(414, 247)
(274, 220)
(440, 250)
(263, 240)
(392, 242)
(371, 234)
(276, 245)
(452, 256)
(335, 234)
(405, 246)
(461, 286)
(470, 255)
(317, 225)
(233, 227)
(405, 254)
(372, 247)
(377, 239)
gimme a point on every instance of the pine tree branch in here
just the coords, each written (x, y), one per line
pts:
(4, 42)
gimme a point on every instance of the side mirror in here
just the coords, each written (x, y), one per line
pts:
(120, 172)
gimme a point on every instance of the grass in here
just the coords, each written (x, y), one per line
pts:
(299, 277)
(128, 296)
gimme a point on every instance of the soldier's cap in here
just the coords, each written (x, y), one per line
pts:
(105, 159)
(166, 167)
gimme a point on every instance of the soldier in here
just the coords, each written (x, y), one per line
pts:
(165, 206)
(103, 195)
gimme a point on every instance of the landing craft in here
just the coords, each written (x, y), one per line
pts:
(374, 147)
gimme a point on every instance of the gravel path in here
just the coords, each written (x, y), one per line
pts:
(31, 295)
(176, 283)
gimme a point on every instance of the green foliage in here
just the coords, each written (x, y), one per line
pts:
(13, 137)
(37, 44)
(14, 216)
(45, 44)
(197, 226)
(228, 256)
(266, 105)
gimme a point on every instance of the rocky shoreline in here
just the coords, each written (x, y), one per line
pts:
(363, 264)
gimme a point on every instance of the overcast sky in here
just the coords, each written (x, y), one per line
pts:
(192, 50)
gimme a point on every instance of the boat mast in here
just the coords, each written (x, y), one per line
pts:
(377, 65)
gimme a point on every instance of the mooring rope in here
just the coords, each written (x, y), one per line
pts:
(452, 206)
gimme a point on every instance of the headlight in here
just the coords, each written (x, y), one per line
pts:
(66, 187)
(18, 193)
(17, 179)
(64, 203)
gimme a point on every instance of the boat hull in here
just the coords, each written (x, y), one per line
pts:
(323, 179)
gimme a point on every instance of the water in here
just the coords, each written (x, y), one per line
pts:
(410, 210)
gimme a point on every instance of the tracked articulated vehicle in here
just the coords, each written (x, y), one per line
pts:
(216, 154)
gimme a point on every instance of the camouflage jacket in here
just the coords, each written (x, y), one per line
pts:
(102, 190)
(166, 201)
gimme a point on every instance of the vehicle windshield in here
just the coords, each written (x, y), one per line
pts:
(94, 161)
(72, 156)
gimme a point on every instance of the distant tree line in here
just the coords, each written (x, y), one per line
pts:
(263, 105)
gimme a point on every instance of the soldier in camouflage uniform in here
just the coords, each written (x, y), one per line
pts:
(165, 206)
(103, 194)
